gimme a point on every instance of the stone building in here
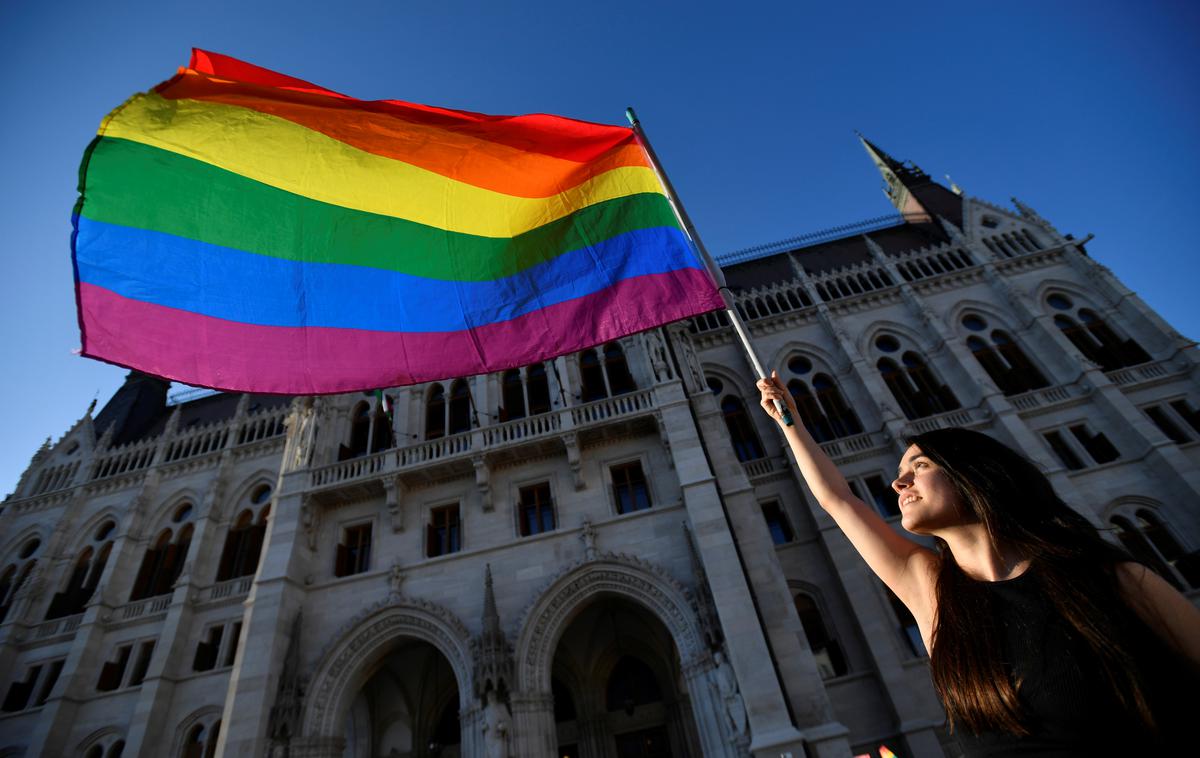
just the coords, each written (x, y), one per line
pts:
(602, 556)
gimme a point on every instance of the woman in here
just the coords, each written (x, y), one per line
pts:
(1044, 638)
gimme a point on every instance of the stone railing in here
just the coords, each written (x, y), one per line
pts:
(124, 459)
(262, 425)
(1125, 377)
(65, 625)
(1040, 398)
(847, 446)
(927, 262)
(197, 441)
(56, 478)
(481, 440)
(231, 588)
(961, 417)
(147, 607)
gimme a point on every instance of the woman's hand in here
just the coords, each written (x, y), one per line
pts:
(773, 390)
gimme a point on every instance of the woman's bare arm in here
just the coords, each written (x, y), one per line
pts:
(1164, 609)
(904, 566)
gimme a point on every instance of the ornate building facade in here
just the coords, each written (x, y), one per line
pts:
(606, 555)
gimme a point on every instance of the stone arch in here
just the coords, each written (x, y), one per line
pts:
(1129, 502)
(1078, 292)
(646, 585)
(14, 543)
(209, 713)
(903, 332)
(358, 648)
(161, 517)
(249, 483)
(734, 383)
(819, 357)
(83, 537)
(996, 317)
(98, 737)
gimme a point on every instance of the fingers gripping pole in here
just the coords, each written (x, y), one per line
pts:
(685, 221)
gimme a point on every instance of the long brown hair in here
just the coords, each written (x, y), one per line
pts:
(1076, 571)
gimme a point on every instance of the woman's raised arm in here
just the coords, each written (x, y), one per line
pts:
(907, 568)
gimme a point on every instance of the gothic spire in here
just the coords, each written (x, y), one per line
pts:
(490, 650)
(900, 179)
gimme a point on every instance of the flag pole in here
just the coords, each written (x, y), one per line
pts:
(718, 276)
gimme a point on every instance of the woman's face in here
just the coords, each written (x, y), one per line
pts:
(929, 501)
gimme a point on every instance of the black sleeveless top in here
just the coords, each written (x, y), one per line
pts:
(1061, 685)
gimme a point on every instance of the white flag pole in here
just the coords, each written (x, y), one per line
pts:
(718, 276)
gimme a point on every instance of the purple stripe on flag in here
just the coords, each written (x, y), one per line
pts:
(234, 356)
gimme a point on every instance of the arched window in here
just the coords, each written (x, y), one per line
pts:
(163, 563)
(460, 407)
(1149, 540)
(201, 741)
(912, 383)
(244, 541)
(1093, 337)
(435, 412)
(741, 431)
(17, 573)
(513, 392)
(85, 574)
(616, 369)
(382, 436)
(842, 419)
(1002, 359)
(828, 653)
(613, 378)
(810, 411)
(591, 375)
(360, 430)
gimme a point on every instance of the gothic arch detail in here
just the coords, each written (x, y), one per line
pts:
(645, 584)
(346, 662)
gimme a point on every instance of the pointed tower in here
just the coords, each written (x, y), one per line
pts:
(493, 657)
(911, 190)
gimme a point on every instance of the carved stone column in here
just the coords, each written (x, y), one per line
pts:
(533, 733)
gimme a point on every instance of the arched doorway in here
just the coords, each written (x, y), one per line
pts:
(615, 679)
(407, 708)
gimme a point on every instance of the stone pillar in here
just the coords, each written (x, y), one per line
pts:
(275, 598)
(533, 732)
(761, 689)
(710, 715)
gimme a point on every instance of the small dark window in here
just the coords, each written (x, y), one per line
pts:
(1097, 445)
(142, 664)
(208, 649)
(29, 548)
(885, 498)
(104, 530)
(444, 535)
(51, 679)
(261, 494)
(800, 365)
(629, 487)
(19, 692)
(182, 513)
(826, 650)
(1060, 302)
(887, 343)
(1166, 424)
(354, 553)
(777, 523)
(741, 431)
(715, 384)
(235, 634)
(974, 323)
(536, 510)
(1064, 452)
(112, 672)
(1187, 413)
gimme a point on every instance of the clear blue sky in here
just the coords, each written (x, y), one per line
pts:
(1087, 110)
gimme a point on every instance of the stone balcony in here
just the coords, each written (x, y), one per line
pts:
(558, 432)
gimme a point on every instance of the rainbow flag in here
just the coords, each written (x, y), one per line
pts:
(244, 230)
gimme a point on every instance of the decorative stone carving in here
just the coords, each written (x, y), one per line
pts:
(660, 360)
(587, 535)
(310, 521)
(706, 607)
(483, 483)
(490, 651)
(393, 488)
(735, 708)
(364, 638)
(571, 441)
(496, 718)
(284, 720)
(395, 580)
(646, 584)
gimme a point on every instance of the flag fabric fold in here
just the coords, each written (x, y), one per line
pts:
(245, 230)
